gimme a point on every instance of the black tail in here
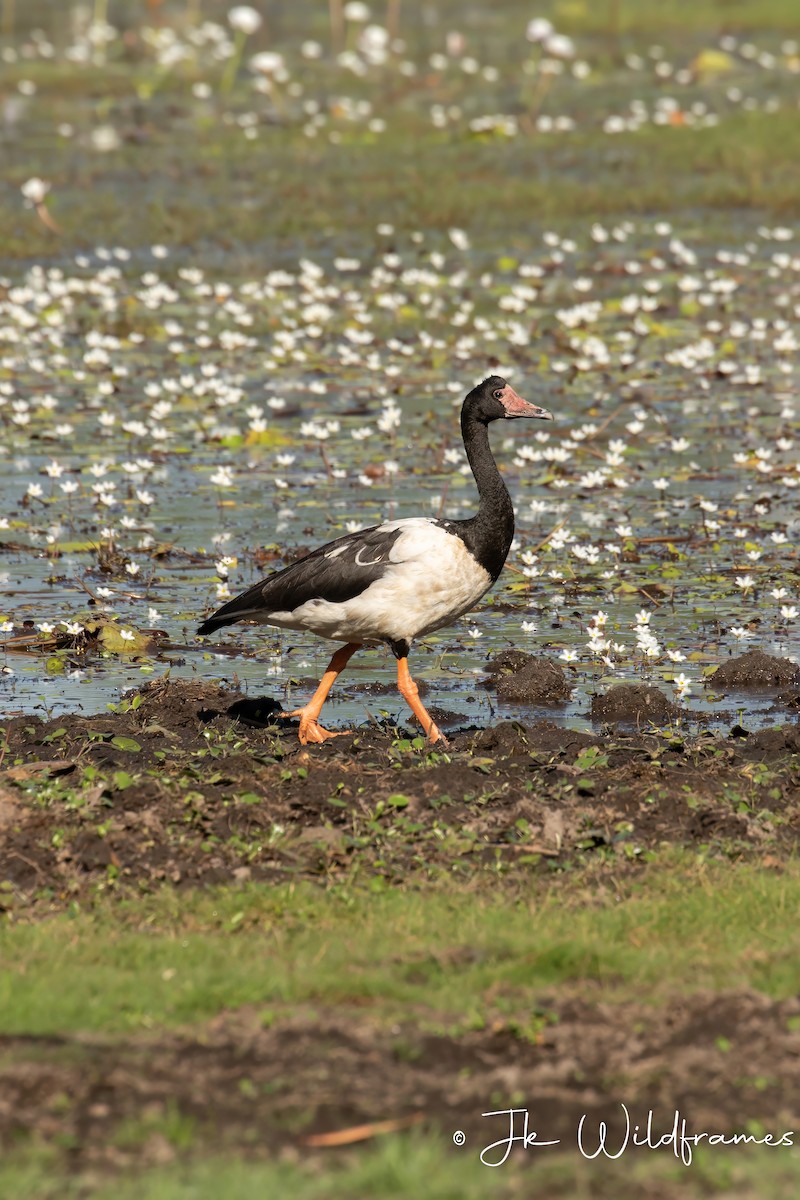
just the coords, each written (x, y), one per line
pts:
(215, 623)
(246, 606)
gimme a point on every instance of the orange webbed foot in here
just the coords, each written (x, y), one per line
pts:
(310, 729)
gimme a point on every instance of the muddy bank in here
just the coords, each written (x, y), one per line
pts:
(195, 784)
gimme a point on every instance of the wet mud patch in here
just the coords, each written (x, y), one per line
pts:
(194, 784)
(724, 1060)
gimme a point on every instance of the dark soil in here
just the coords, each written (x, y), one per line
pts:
(636, 704)
(724, 1061)
(191, 786)
(507, 661)
(534, 681)
(755, 671)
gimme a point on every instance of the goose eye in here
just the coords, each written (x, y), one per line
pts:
(498, 395)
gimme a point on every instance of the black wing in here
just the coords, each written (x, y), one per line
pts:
(337, 572)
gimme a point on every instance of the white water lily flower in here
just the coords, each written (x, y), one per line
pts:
(244, 19)
(105, 139)
(35, 190)
(559, 45)
(682, 686)
(539, 29)
(373, 43)
(357, 12)
(267, 62)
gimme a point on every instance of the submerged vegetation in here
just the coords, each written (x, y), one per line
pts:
(252, 259)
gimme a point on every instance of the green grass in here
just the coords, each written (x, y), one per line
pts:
(414, 177)
(643, 17)
(179, 958)
(675, 20)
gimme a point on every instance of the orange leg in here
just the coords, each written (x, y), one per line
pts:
(410, 693)
(310, 730)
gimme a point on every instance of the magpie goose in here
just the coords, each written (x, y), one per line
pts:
(398, 581)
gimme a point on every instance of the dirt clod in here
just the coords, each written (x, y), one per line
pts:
(9, 810)
(634, 703)
(507, 661)
(538, 681)
(754, 671)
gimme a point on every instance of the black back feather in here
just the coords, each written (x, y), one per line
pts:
(336, 572)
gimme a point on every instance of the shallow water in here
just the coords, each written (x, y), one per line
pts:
(687, 586)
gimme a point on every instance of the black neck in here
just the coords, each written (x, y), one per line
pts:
(489, 533)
